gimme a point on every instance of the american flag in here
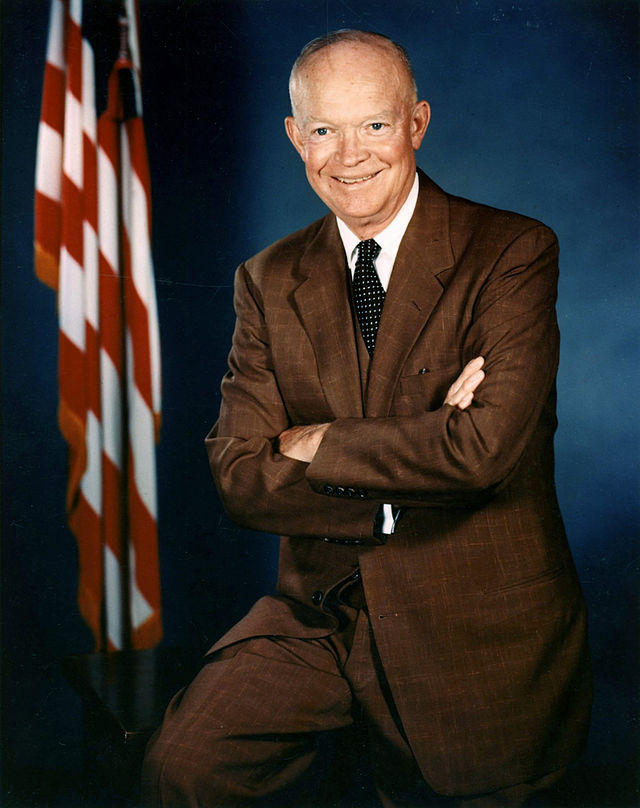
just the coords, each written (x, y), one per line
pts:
(92, 245)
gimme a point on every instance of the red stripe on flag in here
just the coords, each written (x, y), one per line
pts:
(90, 182)
(52, 112)
(47, 218)
(85, 522)
(72, 360)
(72, 218)
(73, 55)
(47, 239)
(146, 574)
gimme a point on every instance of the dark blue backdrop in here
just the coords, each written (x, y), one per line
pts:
(534, 109)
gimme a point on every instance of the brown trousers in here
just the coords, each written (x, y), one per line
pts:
(248, 727)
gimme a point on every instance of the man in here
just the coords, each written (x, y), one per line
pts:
(424, 574)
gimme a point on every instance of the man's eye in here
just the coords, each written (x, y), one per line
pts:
(321, 131)
(377, 126)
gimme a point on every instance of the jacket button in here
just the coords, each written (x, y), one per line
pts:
(340, 491)
(362, 493)
(351, 492)
(316, 598)
(328, 490)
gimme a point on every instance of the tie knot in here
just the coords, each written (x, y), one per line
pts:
(368, 250)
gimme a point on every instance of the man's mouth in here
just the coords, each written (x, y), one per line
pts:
(355, 180)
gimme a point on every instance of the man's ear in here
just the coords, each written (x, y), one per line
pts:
(419, 123)
(293, 133)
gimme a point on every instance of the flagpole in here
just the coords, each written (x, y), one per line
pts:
(124, 55)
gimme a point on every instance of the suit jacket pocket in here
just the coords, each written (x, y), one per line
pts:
(426, 387)
(546, 575)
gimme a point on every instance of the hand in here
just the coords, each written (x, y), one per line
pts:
(301, 442)
(461, 392)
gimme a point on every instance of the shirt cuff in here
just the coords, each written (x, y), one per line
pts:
(389, 518)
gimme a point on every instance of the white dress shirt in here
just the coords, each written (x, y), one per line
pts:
(389, 241)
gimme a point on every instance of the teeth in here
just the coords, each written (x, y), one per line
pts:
(352, 182)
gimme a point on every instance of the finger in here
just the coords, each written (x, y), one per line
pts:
(466, 389)
(461, 399)
(455, 398)
(465, 401)
(476, 363)
(471, 382)
(469, 369)
(469, 385)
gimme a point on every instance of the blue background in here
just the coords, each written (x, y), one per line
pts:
(534, 108)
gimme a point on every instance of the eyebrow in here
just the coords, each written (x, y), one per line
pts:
(378, 116)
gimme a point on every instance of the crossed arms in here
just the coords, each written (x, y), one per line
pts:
(302, 442)
(271, 475)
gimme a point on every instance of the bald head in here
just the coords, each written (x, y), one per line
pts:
(358, 42)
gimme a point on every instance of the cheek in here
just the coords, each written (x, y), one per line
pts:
(398, 151)
(315, 157)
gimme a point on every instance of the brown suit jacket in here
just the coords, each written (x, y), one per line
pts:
(474, 601)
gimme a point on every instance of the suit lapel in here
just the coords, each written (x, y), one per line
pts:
(322, 300)
(417, 282)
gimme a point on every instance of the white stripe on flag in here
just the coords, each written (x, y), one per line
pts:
(140, 608)
(138, 227)
(111, 410)
(92, 478)
(48, 173)
(113, 597)
(72, 146)
(75, 11)
(107, 218)
(135, 216)
(55, 43)
(91, 275)
(71, 299)
(88, 92)
(141, 436)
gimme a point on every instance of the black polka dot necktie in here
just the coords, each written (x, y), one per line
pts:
(368, 292)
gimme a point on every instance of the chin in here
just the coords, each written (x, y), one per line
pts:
(359, 216)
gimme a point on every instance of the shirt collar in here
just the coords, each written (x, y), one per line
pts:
(389, 239)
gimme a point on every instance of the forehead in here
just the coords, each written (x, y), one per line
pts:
(350, 77)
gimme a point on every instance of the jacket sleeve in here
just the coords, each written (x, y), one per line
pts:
(451, 457)
(260, 488)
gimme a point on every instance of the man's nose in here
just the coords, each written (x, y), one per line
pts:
(351, 150)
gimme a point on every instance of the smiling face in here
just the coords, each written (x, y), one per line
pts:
(356, 125)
